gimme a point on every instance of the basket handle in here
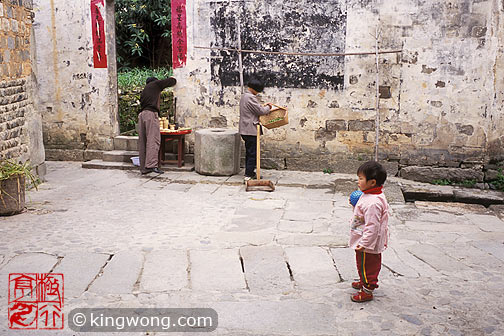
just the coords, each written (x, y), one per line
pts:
(278, 107)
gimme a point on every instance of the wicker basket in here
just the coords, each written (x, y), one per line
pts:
(276, 112)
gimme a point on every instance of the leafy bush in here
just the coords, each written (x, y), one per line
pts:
(499, 182)
(10, 169)
(131, 83)
(143, 33)
(442, 182)
(134, 79)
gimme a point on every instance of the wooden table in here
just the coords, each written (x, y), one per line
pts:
(178, 136)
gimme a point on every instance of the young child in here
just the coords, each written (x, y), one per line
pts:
(369, 232)
(250, 110)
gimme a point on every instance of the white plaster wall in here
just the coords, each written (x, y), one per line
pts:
(443, 84)
(77, 101)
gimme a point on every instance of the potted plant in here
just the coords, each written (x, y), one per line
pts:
(13, 177)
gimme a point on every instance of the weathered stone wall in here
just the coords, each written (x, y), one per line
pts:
(20, 124)
(78, 101)
(440, 98)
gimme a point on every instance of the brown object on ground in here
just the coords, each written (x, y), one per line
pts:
(276, 118)
(259, 185)
(12, 195)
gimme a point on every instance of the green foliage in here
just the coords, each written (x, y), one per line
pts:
(131, 83)
(134, 79)
(442, 182)
(10, 168)
(468, 183)
(499, 182)
(143, 32)
(328, 171)
(464, 183)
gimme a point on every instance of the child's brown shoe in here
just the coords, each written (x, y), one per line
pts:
(362, 296)
(357, 285)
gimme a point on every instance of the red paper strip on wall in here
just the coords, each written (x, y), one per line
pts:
(179, 33)
(98, 30)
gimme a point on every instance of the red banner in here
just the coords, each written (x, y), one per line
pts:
(98, 29)
(179, 33)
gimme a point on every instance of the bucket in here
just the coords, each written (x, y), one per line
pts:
(136, 161)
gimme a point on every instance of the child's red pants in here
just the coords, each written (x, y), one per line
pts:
(369, 266)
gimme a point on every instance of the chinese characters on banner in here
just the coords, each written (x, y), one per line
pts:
(179, 33)
(98, 30)
(36, 301)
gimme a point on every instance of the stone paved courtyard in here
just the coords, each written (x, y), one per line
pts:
(268, 263)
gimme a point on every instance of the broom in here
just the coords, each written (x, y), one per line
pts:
(259, 185)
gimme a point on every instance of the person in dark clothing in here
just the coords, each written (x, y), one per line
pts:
(149, 137)
(250, 110)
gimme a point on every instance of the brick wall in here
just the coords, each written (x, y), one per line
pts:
(15, 81)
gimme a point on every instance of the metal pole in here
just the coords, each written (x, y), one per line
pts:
(240, 64)
(377, 126)
(247, 51)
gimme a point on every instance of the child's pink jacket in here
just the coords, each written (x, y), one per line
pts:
(370, 223)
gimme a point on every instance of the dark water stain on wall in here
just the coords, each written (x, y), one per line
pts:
(310, 26)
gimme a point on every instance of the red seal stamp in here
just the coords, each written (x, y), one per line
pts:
(36, 301)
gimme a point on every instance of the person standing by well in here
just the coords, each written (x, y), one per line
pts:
(250, 110)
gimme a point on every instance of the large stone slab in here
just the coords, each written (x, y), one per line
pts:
(165, 270)
(423, 192)
(344, 258)
(292, 317)
(79, 270)
(295, 226)
(429, 174)
(310, 206)
(266, 270)
(25, 263)
(312, 266)
(216, 270)
(120, 274)
(393, 193)
(487, 223)
(264, 203)
(296, 215)
(298, 239)
(441, 227)
(392, 260)
(473, 256)
(494, 248)
(498, 210)
(436, 258)
(452, 207)
(486, 197)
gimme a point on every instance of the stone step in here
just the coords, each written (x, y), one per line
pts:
(125, 156)
(99, 164)
(427, 192)
(119, 156)
(126, 143)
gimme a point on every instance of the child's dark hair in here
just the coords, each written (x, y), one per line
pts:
(150, 79)
(373, 171)
(255, 84)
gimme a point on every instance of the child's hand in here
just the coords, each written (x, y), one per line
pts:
(350, 202)
(359, 248)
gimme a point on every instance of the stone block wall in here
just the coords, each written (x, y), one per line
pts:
(20, 125)
(13, 106)
(440, 98)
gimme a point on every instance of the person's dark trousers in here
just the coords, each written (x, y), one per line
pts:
(149, 140)
(250, 155)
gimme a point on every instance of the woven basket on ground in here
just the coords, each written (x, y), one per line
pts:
(276, 118)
